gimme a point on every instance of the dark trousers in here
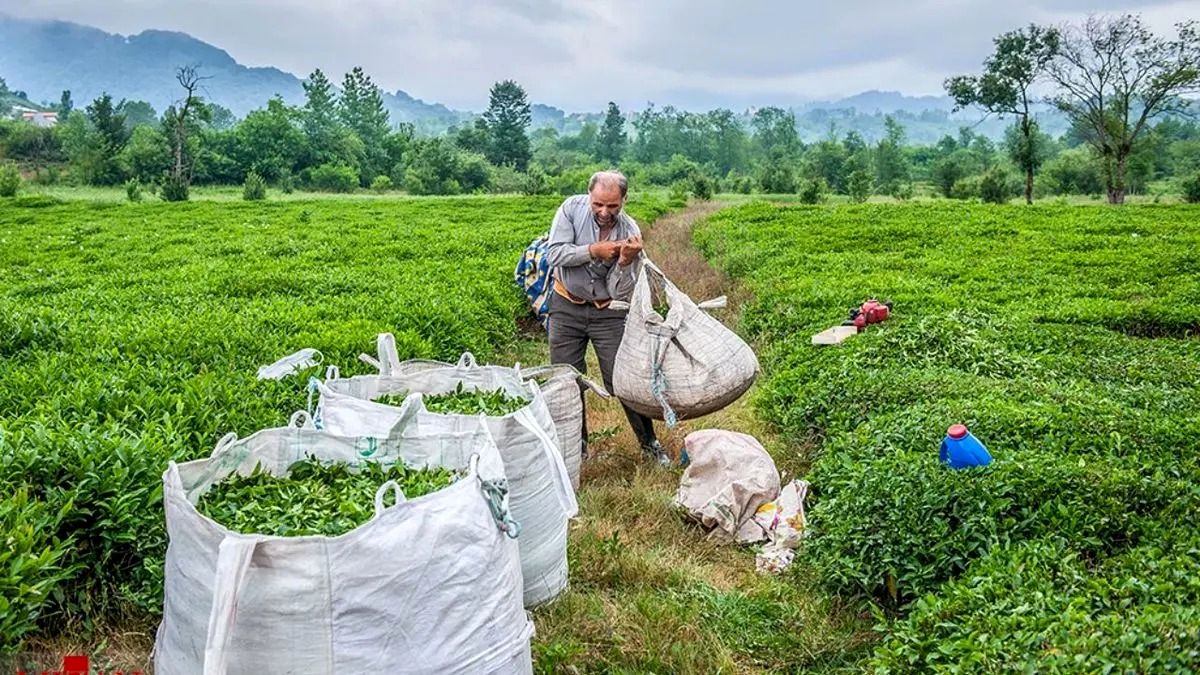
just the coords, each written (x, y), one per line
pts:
(571, 328)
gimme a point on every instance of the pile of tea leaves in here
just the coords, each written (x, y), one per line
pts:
(494, 403)
(315, 498)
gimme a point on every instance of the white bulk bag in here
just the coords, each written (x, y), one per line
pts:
(562, 394)
(560, 388)
(682, 366)
(540, 491)
(429, 585)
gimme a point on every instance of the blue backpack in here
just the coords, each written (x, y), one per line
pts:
(535, 278)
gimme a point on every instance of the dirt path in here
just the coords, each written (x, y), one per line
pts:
(669, 244)
(632, 555)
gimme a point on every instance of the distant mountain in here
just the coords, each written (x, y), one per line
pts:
(45, 57)
(42, 58)
(886, 102)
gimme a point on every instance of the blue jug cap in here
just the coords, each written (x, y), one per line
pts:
(957, 431)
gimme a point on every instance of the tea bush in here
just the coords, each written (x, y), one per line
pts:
(130, 336)
(1066, 339)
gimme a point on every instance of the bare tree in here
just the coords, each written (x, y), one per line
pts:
(189, 78)
(1115, 76)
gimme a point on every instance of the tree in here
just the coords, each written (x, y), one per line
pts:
(137, 113)
(777, 176)
(891, 164)
(1028, 147)
(727, 142)
(507, 117)
(323, 131)
(474, 137)
(110, 137)
(363, 112)
(828, 161)
(610, 144)
(1115, 76)
(220, 118)
(180, 121)
(65, 104)
(270, 142)
(147, 155)
(775, 133)
(858, 184)
(1021, 59)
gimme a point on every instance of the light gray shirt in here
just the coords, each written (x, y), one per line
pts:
(588, 278)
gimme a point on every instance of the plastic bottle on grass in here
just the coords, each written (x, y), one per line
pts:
(961, 450)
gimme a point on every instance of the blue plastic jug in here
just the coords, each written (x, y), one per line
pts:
(961, 450)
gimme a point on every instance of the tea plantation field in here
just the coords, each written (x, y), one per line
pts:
(1068, 340)
(130, 334)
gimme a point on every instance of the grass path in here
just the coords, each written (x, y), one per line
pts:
(649, 592)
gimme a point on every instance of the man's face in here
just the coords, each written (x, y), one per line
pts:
(606, 204)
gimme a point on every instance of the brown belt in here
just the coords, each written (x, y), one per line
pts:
(562, 290)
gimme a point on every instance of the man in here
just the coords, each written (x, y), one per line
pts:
(595, 250)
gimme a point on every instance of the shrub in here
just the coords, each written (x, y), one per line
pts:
(678, 196)
(286, 182)
(334, 177)
(740, 183)
(897, 527)
(995, 186)
(966, 188)
(174, 189)
(777, 176)
(812, 191)
(1191, 189)
(858, 185)
(702, 187)
(10, 179)
(255, 188)
(535, 182)
(133, 190)
(381, 184)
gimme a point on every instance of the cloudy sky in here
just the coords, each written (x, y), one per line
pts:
(696, 53)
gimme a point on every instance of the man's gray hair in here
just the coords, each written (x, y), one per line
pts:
(610, 177)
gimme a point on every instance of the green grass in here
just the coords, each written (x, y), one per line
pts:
(1065, 337)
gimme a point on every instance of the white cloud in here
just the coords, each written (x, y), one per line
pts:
(581, 55)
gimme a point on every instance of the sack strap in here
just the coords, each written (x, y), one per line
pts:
(560, 477)
(233, 561)
(587, 382)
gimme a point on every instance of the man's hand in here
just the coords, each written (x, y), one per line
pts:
(630, 250)
(605, 250)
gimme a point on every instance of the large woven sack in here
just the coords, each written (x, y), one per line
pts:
(728, 478)
(539, 486)
(429, 585)
(683, 365)
(560, 384)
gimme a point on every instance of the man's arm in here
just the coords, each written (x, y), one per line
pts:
(562, 250)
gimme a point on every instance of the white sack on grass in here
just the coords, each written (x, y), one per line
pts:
(729, 477)
(539, 485)
(681, 366)
(429, 585)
